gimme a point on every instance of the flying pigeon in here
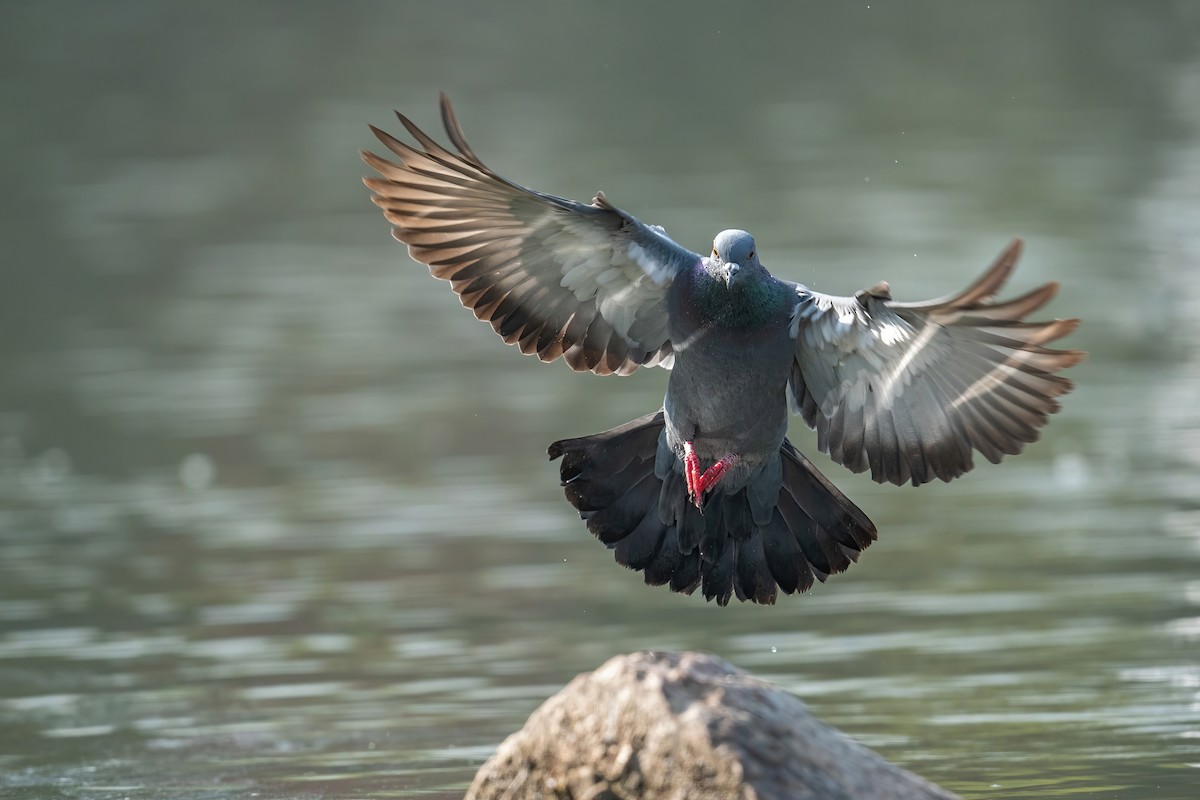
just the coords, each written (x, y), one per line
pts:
(707, 491)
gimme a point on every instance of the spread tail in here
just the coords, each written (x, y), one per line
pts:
(628, 486)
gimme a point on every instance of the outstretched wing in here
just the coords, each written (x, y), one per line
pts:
(552, 276)
(909, 389)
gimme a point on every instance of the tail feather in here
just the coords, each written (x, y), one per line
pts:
(751, 543)
(716, 581)
(787, 563)
(626, 511)
(640, 548)
(823, 503)
(804, 531)
(736, 516)
(754, 579)
(672, 500)
(688, 576)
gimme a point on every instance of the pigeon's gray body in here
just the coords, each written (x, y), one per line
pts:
(708, 492)
(746, 411)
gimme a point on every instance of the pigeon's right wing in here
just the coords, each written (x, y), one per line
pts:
(553, 276)
(908, 390)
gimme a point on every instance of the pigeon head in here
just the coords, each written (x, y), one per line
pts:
(734, 256)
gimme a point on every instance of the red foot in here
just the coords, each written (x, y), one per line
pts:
(713, 474)
(697, 483)
(691, 472)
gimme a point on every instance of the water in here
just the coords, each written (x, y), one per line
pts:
(275, 518)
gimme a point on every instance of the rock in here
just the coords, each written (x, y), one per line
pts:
(685, 726)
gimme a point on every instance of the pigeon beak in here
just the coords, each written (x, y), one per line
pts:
(731, 273)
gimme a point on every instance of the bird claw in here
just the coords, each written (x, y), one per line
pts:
(713, 474)
(699, 483)
(691, 473)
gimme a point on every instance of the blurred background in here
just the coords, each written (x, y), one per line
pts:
(275, 515)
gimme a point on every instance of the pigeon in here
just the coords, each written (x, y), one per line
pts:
(707, 492)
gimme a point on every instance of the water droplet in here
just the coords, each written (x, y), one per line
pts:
(774, 649)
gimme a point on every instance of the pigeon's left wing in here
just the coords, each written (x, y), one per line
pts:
(910, 389)
(553, 276)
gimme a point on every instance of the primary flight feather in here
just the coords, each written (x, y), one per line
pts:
(708, 492)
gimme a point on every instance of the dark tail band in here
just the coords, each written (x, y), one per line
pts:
(644, 517)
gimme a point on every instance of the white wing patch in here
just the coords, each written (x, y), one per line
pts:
(659, 272)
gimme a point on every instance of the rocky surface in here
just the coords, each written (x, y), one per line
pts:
(685, 726)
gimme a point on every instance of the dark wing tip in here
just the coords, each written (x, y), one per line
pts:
(1027, 303)
(1052, 331)
(1071, 358)
(404, 151)
(380, 133)
(454, 130)
(994, 278)
(981, 290)
(1011, 254)
(1068, 325)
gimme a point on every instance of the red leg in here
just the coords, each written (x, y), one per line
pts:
(713, 475)
(691, 472)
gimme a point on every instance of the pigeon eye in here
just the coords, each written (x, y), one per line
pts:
(715, 253)
(751, 254)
